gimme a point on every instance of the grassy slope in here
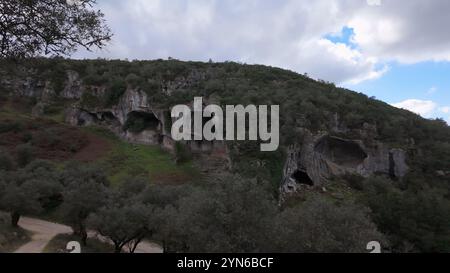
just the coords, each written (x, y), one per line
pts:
(123, 159)
(126, 159)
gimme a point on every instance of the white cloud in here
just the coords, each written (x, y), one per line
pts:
(285, 33)
(445, 110)
(374, 2)
(408, 31)
(421, 107)
(425, 108)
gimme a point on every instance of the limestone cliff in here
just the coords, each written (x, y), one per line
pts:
(319, 157)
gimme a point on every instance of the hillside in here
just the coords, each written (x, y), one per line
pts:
(336, 143)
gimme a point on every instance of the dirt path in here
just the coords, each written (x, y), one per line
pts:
(44, 231)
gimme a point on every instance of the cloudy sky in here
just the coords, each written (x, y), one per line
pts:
(395, 50)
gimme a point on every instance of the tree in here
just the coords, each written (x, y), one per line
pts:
(30, 27)
(125, 219)
(233, 215)
(416, 219)
(6, 162)
(318, 225)
(26, 190)
(85, 191)
(25, 154)
(123, 224)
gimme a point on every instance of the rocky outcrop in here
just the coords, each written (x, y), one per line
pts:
(318, 158)
(73, 88)
(133, 103)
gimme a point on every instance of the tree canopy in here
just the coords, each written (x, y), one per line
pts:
(58, 27)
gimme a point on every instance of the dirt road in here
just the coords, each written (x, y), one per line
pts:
(44, 231)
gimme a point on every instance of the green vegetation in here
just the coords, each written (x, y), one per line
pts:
(11, 238)
(28, 190)
(126, 159)
(137, 218)
(303, 102)
(240, 212)
(85, 189)
(416, 218)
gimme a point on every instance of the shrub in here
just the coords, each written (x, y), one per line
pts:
(417, 216)
(6, 162)
(10, 126)
(25, 154)
(182, 153)
(355, 181)
(27, 137)
(115, 90)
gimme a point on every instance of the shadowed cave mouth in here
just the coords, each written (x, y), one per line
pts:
(108, 116)
(343, 152)
(302, 178)
(141, 121)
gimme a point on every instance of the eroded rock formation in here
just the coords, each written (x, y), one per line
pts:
(318, 158)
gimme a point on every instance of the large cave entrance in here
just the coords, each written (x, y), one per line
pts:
(141, 121)
(343, 152)
(302, 178)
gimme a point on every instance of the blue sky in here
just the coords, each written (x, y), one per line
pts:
(426, 82)
(397, 51)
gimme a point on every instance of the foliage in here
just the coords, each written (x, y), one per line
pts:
(24, 154)
(122, 224)
(320, 226)
(6, 162)
(29, 28)
(416, 219)
(28, 190)
(10, 126)
(229, 216)
(85, 191)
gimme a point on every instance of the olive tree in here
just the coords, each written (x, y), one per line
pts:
(319, 225)
(123, 224)
(230, 215)
(27, 190)
(85, 191)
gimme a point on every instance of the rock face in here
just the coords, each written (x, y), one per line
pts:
(320, 157)
(134, 104)
(74, 87)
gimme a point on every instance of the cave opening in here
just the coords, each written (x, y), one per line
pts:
(108, 116)
(343, 152)
(141, 121)
(86, 118)
(301, 177)
(392, 174)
